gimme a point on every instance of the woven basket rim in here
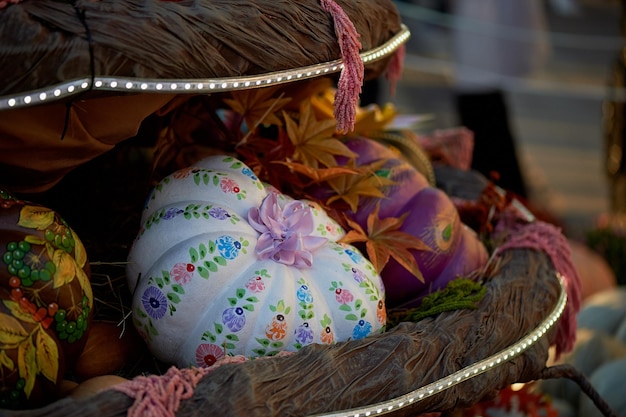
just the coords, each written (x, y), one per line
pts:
(67, 55)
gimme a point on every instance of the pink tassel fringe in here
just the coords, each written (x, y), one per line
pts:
(394, 70)
(351, 78)
(549, 239)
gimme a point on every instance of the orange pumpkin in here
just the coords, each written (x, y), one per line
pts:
(46, 302)
(107, 350)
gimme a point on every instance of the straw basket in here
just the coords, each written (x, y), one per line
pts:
(84, 77)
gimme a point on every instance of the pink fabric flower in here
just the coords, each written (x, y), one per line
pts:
(285, 233)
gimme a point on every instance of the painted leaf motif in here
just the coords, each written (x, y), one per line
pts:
(47, 355)
(35, 240)
(11, 331)
(6, 362)
(17, 311)
(27, 364)
(65, 268)
(80, 254)
(85, 284)
(36, 217)
(313, 140)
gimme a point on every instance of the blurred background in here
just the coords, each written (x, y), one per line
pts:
(556, 110)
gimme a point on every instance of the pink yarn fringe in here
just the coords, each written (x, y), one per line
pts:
(549, 239)
(394, 70)
(161, 395)
(351, 78)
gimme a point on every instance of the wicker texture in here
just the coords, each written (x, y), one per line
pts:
(48, 41)
(322, 379)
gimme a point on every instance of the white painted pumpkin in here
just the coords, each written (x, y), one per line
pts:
(211, 274)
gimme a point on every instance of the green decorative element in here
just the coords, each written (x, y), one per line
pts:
(306, 311)
(461, 293)
(144, 324)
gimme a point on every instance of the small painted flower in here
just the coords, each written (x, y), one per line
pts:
(358, 275)
(207, 354)
(304, 294)
(229, 185)
(343, 296)
(228, 247)
(277, 329)
(355, 256)
(249, 173)
(182, 272)
(182, 173)
(154, 302)
(255, 284)
(219, 213)
(381, 312)
(304, 334)
(172, 212)
(234, 318)
(362, 329)
(327, 336)
(331, 228)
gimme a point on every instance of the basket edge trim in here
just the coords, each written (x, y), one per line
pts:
(193, 86)
(466, 373)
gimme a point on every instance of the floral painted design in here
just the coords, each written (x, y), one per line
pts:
(228, 185)
(255, 284)
(304, 294)
(207, 354)
(285, 232)
(154, 302)
(249, 173)
(381, 312)
(304, 334)
(343, 296)
(354, 255)
(182, 272)
(362, 329)
(234, 318)
(219, 213)
(228, 247)
(277, 329)
(327, 336)
(172, 212)
(358, 275)
(183, 173)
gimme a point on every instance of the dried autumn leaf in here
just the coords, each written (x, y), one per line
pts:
(318, 174)
(373, 118)
(364, 183)
(384, 239)
(257, 106)
(313, 140)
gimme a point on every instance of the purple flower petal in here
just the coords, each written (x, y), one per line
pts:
(285, 233)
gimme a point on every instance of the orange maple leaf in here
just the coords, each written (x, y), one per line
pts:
(313, 140)
(363, 183)
(384, 240)
(258, 106)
